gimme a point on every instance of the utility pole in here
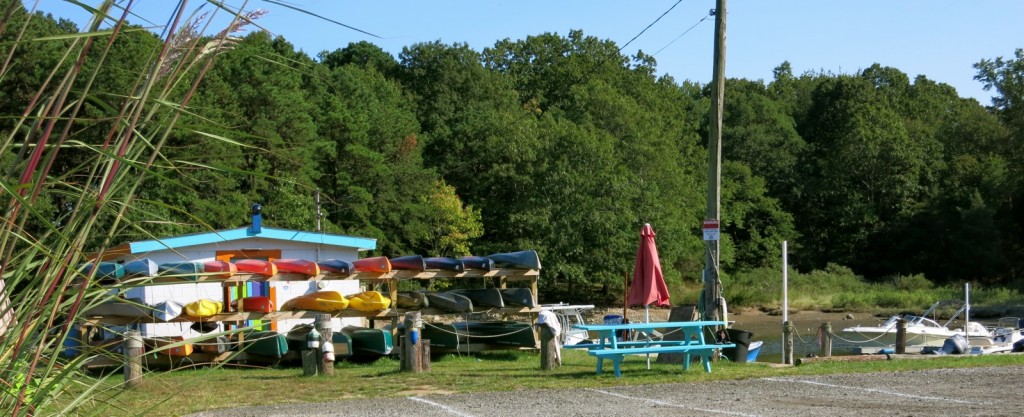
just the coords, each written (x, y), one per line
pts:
(713, 302)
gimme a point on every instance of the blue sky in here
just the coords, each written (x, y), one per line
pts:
(939, 39)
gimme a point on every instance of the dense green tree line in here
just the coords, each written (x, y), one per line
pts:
(566, 145)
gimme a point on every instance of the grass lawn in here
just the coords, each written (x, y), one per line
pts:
(173, 393)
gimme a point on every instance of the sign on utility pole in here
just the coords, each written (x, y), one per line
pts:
(712, 309)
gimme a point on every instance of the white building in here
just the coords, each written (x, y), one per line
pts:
(254, 242)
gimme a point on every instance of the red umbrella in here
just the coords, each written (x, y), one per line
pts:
(648, 285)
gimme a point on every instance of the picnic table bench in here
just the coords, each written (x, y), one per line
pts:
(693, 342)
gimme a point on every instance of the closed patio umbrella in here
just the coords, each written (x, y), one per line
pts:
(648, 285)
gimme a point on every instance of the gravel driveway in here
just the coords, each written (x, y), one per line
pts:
(960, 392)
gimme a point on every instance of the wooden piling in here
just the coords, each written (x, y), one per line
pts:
(826, 339)
(901, 336)
(548, 348)
(787, 342)
(310, 362)
(133, 351)
(323, 325)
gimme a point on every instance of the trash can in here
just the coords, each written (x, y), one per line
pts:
(620, 335)
(613, 319)
(741, 338)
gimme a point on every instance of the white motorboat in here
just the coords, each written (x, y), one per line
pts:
(1004, 336)
(921, 330)
(569, 315)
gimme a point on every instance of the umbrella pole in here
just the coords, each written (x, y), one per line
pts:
(625, 294)
(647, 317)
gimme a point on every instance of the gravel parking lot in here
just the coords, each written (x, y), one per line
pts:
(960, 392)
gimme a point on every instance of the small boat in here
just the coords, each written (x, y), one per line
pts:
(507, 333)
(170, 346)
(203, 308)
(256, 304)
(1005, 335)
(413, 300)
(526, 259)
(522, 297)
(264, 343)
(753, 350)
(462, 336)
(921, 330)
(375, 264)
(106, 272)
(337, 266)
(296, 339)
(220, 269)
(143, 267)
(218, 344)
(408, 263)
(256, 266)
(297, 266)
(447, 264)
(182, 270)
(482, 297)
(323, 301)
(450, 302)
(132, 307)
(569, 315)
(477, 262)
(167, 310)
(368, 301)
(369, 343)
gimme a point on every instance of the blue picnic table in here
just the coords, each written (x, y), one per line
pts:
(692, 343)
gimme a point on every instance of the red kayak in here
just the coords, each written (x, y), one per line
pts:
(256, 266)
(257, 304)
(220, 268)
(298, 266)
(374, 264)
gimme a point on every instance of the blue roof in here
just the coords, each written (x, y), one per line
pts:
(360, 243)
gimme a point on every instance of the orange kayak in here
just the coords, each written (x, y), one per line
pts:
(369, 301)
(220, 268)
(257, 304)
(160, 343)
(324, 301)
(374, 264)
(298, 266)
(256, 266)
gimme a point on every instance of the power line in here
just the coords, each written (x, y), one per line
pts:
(649, 26)
(282, 4)
(681, 35)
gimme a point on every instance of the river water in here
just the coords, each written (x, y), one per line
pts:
(806, 340)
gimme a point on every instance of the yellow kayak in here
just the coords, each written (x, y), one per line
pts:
(369, 301)
(203, 308)
(324, 301)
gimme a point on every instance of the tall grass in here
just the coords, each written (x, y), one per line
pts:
(51, 219)
(839, 288)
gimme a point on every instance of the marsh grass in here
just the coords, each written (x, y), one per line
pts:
(57, 217)
(208, 389)
(837, 288)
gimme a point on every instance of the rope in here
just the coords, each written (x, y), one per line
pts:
(836, 336)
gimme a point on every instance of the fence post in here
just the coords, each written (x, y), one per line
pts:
(323, 325)
(826, 339)
(548, 348)
(901, 336)
(133, 351)
(787, 343)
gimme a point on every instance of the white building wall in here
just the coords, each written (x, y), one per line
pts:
(188, 292)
